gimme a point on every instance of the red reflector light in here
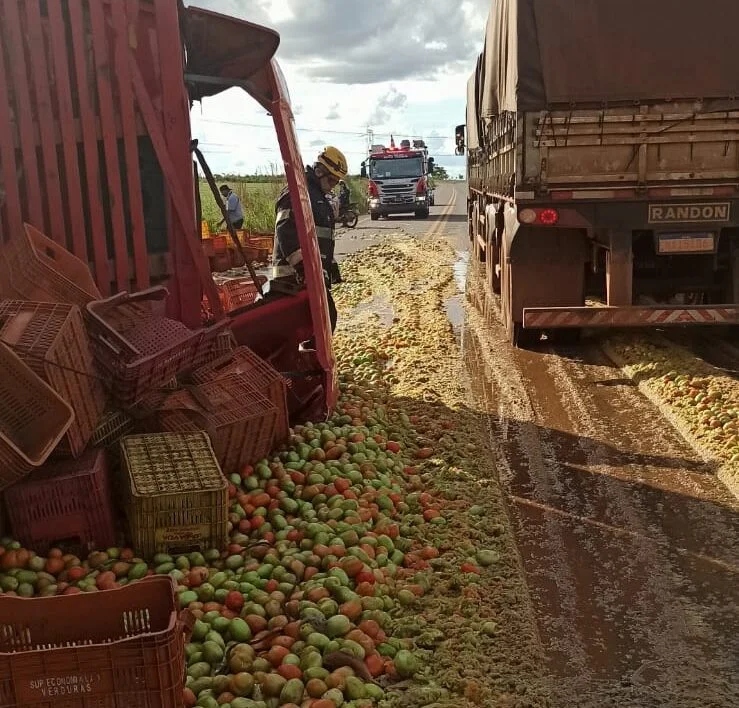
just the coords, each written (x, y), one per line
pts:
(372, 190)
(548, 217)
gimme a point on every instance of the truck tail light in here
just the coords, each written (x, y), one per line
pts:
(548, 217)
(545, 217)
(422, 186)
(372, 189)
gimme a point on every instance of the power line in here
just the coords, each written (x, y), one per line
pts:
(208, 148)
(359, 134)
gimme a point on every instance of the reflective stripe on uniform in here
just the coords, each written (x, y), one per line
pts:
(294, 258)
(325, 232)
(283, 215)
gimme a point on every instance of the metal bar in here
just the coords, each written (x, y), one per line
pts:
(585, 141)
(63, 90)
(90, 148)
(130, 143)
(24, 113)
(104, 75)
(655, 316)
(176, 192)
(44, 113)
(216, 81)
(641, 118)
(232, 232)
(615, 180)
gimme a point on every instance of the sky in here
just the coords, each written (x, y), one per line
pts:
(389, 66)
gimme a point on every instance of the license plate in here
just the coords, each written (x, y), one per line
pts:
(704, 242)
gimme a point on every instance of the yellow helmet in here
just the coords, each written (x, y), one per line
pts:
(333, 160)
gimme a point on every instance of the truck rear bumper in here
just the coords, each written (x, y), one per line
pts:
(654, 316)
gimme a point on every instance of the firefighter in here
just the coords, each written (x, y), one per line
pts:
(328, 170)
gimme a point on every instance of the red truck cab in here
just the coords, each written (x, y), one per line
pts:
(95, 152)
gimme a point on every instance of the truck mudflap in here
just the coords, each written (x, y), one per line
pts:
(635, 316)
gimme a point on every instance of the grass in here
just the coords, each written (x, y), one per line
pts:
(258, 201)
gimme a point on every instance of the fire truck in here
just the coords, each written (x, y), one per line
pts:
(399, 179)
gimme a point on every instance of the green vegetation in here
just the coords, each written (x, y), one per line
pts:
(258, 194)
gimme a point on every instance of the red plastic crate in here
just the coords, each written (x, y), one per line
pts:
(256, 372)
(239, 420)
(33, 419)
(123, 647)
(51, 339)
(40, 269)
(138, 351)
(239, 292)
(64, 503)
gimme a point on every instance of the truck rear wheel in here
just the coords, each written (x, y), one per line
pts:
(565, 337)
(524, 338)
(492, 257)
(518, 336)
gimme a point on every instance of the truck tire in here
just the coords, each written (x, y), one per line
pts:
(374, 216)
(422, 213)
(492, 256)
(565, 337)
(524, 338)
(518, 336)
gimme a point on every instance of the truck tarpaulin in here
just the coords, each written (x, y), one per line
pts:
(539, 53)
(473, 132)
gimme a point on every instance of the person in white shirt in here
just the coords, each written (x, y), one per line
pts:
(233, 207)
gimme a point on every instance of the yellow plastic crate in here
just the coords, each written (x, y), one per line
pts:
(175, 495)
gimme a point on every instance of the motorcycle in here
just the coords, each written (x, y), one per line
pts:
(349, 216)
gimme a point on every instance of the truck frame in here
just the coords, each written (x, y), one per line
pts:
(589, 181)
(96, 151)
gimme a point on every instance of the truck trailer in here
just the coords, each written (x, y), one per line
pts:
(399, 179)
(602, 144)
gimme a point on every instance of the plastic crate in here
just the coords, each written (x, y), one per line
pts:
(176, 496)
(223, 345)
(138, 351)
(256, 372)
(40, 269)
(65, 503)
(111, 427)
(123, 647)
(237, 292)
(33, 419)
(51, 339)
(239, 420)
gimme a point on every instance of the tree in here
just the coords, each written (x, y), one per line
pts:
(440, 172)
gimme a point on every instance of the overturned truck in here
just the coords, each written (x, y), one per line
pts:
(602, 142)
(96, 152)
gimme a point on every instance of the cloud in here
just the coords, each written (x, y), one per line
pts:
(391, 101)
(317, 142)
(369, 42)
(333, 112)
